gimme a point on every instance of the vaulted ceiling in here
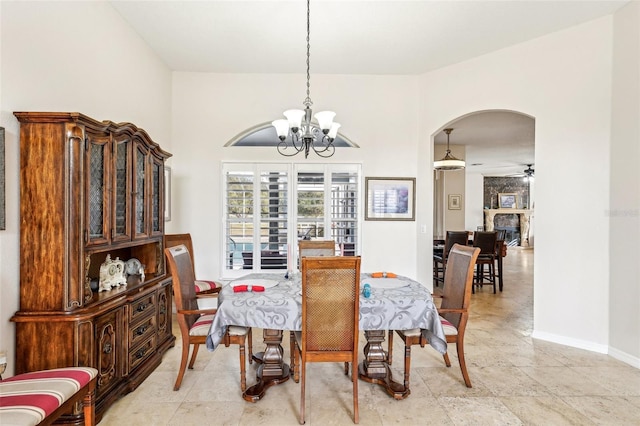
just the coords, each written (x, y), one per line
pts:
(363, 37)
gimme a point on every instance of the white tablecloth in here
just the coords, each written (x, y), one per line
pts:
(280, 308)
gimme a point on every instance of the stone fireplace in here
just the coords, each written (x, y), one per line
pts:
(524, 216)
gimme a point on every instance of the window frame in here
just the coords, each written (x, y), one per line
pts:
(293, 170)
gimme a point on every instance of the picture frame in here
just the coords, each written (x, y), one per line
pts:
(455, 202)
(390, 198)
(167, 193)
(507, 200)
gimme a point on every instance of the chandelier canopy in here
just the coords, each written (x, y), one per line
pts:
(449, 162)
(298, 133)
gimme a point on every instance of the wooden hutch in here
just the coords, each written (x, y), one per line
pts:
(89, 189)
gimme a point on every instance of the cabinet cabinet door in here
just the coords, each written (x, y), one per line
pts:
(164, 314)
(157, 191)
(109, 349)
(140, 198)
(121, 212)
(97, 189)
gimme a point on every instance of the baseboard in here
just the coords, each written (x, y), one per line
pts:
(625, 357)
(589, 346)
(568, 341)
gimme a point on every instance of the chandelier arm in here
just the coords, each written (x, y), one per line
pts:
(283, 145)
(327, 147)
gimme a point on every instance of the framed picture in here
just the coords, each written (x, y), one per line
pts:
(455, 202)
(507, 201)
(390, 198)
(167, 193)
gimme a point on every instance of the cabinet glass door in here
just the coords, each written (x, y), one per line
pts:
(140, 161)
(122, 189)
(97, 199)
(157, 191)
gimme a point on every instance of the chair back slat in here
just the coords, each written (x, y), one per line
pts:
(458, 279)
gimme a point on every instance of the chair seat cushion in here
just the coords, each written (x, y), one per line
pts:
(236, 330)
(27, 399)
(201, 326)
(449, 329)
(205, 285)
(412, 333)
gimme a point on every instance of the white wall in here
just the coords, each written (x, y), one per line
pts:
(210, 109)
(453, 183)
(624, 212)
(69, 56)
(563, 80)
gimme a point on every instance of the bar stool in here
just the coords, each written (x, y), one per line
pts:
(486, 242)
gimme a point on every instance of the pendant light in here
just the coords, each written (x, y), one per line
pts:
(449, 162)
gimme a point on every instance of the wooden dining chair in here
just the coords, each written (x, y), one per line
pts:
(195, 323)
(330, 313)
(453, 311)
(202, 286)
(440, 259)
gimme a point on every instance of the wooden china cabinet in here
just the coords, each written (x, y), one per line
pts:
(89, 189)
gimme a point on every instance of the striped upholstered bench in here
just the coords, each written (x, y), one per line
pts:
(39, 398)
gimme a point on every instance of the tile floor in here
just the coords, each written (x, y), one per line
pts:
(516, 380)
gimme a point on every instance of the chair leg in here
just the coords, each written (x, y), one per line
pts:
(295, 358)
(356, 413)
(183, 363)
(250, 337)
(243, 370)
(463, 364)
(303, 368)
(407, 364)
(193, 356)
(390, 348)
(447, 362)
(492, 266)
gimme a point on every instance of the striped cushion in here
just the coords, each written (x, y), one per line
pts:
(27, 399)
(205, 285)
(449, 329)
(201, 326)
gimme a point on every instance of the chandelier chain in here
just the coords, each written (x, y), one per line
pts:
(307, 101)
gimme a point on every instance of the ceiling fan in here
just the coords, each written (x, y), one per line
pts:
(529, 172)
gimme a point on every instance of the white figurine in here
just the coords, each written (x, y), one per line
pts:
(112, 274)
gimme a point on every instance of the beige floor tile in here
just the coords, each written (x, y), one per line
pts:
(608, 410)
(478, 411)
(544, 411)
(564, 381)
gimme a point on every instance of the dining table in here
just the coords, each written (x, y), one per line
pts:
(274, 303)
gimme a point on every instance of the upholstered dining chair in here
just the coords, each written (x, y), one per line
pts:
(440, 259)
(486, 241)
(202, 286)
(194, 323)
(330, 312)
(453, 311)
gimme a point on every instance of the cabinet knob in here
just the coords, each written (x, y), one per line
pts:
(140, 330)
(141, 307)
(107, 348)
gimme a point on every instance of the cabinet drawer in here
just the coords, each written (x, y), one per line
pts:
(142, 307)
(142, 352)
(141, 330)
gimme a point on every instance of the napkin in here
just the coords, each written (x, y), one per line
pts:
(383, 275)
(244, 287)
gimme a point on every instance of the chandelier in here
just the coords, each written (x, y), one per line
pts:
(297, 133)
(449, 162)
